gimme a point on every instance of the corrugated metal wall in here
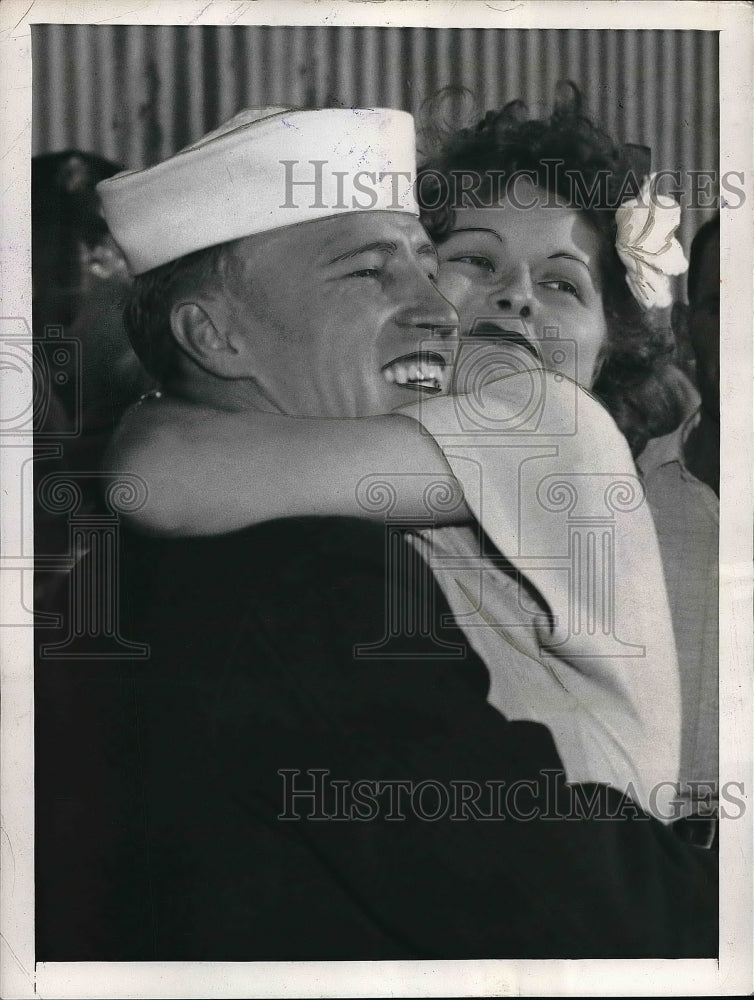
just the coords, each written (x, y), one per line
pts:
(135, 94)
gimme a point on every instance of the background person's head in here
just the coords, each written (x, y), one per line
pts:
(79, 279)
(309, 305)
(699, 321)
(71, 246)
(523, 213)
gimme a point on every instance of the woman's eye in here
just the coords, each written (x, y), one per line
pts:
(483, 263)
(558, 285)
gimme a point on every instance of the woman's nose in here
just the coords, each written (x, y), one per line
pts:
(516, 295)
(508, 305)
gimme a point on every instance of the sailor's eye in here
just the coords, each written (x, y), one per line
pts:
(365, 272)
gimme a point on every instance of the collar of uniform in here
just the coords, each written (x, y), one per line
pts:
(669, 448)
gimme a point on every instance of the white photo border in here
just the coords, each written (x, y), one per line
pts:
(732, 973)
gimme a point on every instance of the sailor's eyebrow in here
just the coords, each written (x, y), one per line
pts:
(476, 229)
(569, 256)
(427, 248)
(381, 247)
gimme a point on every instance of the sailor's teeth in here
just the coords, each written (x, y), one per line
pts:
(425, 374)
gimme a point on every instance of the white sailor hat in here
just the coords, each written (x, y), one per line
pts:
(264, 169)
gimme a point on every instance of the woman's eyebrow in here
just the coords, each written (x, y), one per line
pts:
(476, 229)
(381, 246)
(569, 256)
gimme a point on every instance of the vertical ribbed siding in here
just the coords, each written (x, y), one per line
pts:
(136, 94)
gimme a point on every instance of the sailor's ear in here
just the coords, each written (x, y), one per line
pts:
(200, 336)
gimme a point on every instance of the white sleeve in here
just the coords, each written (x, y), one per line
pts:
(551, 480)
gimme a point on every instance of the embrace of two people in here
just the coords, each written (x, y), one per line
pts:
(454, 733)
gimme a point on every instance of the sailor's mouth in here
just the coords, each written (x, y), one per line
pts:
(492, 331)
(424, 370)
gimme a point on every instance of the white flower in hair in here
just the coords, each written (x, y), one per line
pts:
(647, 246)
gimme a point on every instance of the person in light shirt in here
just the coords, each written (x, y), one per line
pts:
(681, 473)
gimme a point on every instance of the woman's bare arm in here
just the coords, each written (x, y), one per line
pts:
(208, 472)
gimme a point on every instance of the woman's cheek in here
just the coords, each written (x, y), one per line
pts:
(568, 319)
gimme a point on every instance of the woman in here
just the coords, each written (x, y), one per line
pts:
(569, 180)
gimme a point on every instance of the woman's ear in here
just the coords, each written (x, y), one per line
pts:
(202, 339)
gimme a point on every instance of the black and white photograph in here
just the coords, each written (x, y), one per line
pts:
(376, 436)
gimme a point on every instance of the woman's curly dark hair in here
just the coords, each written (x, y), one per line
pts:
(570, 156)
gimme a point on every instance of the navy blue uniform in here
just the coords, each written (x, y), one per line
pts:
(160, 790)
